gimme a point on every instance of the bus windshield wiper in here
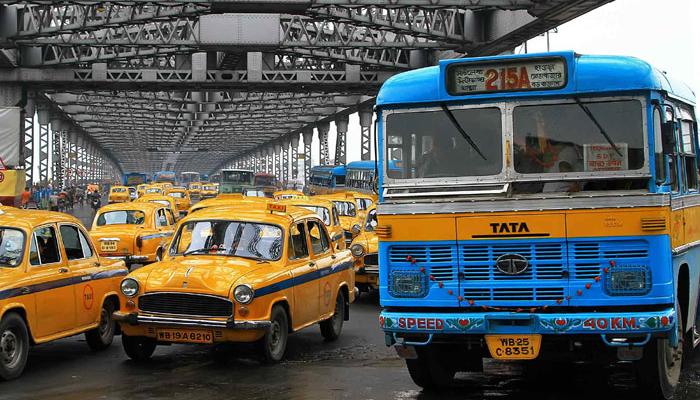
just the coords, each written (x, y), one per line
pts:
(600, 127)
(461, 130)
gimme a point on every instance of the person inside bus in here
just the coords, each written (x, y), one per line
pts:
(439, 161)
(562, 186)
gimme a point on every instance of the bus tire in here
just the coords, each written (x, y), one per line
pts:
(432, 370)
(14, 346)
(659, 371)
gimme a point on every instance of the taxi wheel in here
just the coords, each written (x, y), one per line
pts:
(331, 328)
(138, 348)
(659, 370)
(101, 337)
(274, 343)
(14, 346)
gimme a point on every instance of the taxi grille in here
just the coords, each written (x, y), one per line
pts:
(186, 304)
(371, 259)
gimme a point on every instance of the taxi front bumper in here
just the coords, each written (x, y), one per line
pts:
(135, 318)
(605, 324)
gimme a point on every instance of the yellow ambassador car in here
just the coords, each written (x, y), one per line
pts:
(154, 189)
(209, 190)
(195, 189)
(230, 199)
(141, 189)
(326, 211)
(137, 232)
(182, 200)
(365, 249)
(52, 285)
(160, 199)
(118, 194)
(364, 202)
(347, 208)
(250, 274)
(287, 194)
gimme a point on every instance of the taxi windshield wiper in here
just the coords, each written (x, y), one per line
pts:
(196, 251)
(461, 130)
(597, 124)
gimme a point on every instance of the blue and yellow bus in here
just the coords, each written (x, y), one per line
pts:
(134, 179)
(546, 205)
(326, 179)
(165, 177)
(360, 176)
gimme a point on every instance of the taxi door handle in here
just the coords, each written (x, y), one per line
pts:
(25, 290)
(333, 256)
(63, 270)
(96, 264)
(312, 264)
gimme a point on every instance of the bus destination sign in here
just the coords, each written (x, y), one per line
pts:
(537, 74)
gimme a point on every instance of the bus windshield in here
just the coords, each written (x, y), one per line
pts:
(262, 180)
(244, 177)
(431, 146)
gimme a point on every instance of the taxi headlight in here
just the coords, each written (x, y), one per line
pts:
(243, 294)
(129, 287)
(356, 229)
(357, 250)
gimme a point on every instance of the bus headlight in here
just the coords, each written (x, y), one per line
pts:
(628, 280)
(243, 294)
(129, 287)
(357, 250)
(408, 284)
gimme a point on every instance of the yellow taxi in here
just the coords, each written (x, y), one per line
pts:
(364, 202)
(160, 199)
(137, 233)
(182, 199)
(287, 194)
(52, 285)
(118, 194)
(246, 275)
(229, 199)
(350, 220)
(209, 190)
(195, 189)
(141, 189)
(326, 211)
(365, 249)
(154, 189)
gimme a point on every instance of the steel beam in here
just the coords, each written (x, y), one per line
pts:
(366, 134)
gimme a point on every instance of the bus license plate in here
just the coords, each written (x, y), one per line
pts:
(514, 347)
(109, 245)
(185, 336)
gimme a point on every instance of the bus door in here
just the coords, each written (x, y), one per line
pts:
(513, 260)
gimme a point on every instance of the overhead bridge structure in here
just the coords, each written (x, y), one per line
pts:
(139, 85)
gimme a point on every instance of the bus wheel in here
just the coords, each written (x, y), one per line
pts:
(660, 370)
(430, 370)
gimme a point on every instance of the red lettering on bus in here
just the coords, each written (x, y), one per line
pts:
(491, 76)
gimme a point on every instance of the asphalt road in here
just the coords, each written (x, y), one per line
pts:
(357, 366)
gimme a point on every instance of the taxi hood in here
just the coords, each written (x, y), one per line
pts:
(202, 274)
(112, 230)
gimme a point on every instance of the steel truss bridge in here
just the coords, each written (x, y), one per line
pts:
(142, 85)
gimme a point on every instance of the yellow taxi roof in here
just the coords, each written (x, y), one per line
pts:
(343, 196)
(253, 214)
(176, 190)
(134, 205)
(29, 219)
(307, 201)
(119, 187)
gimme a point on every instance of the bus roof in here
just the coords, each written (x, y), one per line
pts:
(585, 74)
(364, 164)
(338, 170)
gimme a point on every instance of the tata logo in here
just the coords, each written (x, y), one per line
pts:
(512, 264)
(509, 227)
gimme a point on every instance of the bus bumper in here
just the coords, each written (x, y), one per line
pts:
(419, 328)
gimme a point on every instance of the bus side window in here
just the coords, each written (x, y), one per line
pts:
(659, 160)
(688, 151)
(670, 141)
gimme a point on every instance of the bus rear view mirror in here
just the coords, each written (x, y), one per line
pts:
(668, 136)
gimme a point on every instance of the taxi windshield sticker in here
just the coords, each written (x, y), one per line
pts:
(537, 74)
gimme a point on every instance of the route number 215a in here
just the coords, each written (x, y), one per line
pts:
(507, 78)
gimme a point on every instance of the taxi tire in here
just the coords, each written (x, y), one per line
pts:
(138, 348)
(15, 323)
(656, 380)
(99, 340)
(279, 331)
(333, 326)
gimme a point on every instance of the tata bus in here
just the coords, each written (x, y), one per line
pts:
(546, 206)
(266, 183)
(325, 179)
(189, 177)
(165, 177)
(134, 179)
(235, 180)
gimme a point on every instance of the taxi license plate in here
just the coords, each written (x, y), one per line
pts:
(109, 245)
(185, 336)
(514, 347)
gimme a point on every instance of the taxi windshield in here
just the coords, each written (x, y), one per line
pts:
(229, 238)
(161, 202)
(177, 195)
(130, 217)
(11, 247)
(345, 208)
(118, 190)
(153, 190)
(322, 212)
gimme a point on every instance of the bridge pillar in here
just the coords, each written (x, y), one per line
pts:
(341, 127)
(278, 156)
(366, 140)
(58, 148)
(28, 138)
(271, 159)
(295, 155)
(72, 171)
(43, 115)
(323, 128)
(285, 161)
(308, 136)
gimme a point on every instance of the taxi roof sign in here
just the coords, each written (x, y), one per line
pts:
(276, 207)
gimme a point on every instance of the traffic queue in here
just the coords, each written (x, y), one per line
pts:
(233, 269)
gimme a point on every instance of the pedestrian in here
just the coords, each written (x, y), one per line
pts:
(26, 196)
